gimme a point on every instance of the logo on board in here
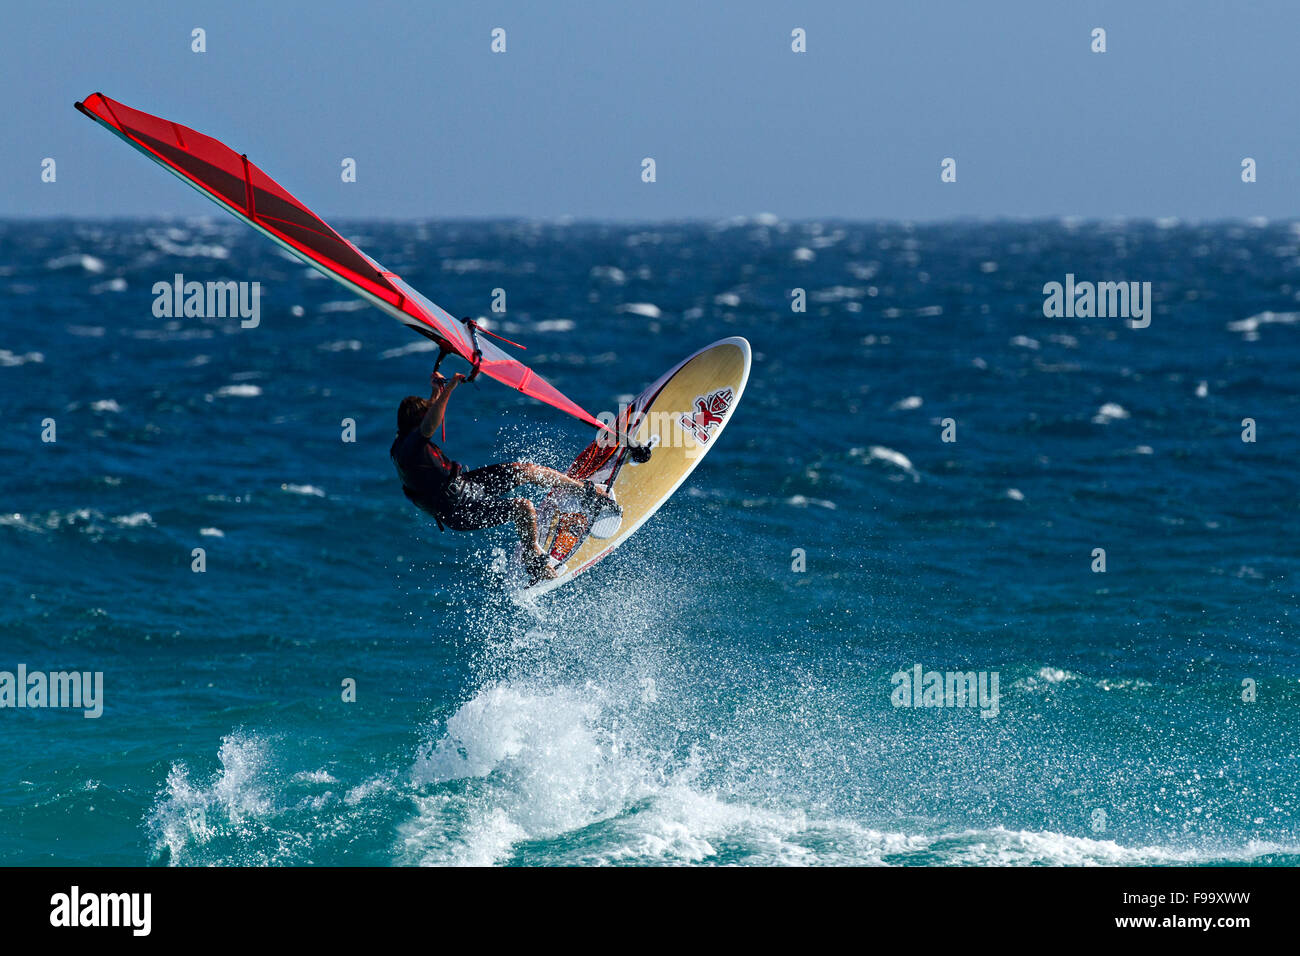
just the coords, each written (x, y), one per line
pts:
(707, 418)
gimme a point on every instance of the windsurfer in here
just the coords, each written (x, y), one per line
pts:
(472, 500)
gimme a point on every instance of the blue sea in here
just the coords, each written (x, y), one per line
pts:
(722, 689)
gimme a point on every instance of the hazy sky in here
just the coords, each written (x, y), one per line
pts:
(737, 123)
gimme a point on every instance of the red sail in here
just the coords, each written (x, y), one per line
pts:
(245, 191)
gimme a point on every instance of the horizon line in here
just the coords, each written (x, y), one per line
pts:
(759, 219)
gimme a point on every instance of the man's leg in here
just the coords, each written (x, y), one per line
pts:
(526, 526)
(527, 473)
(499, 479)
(525, 516)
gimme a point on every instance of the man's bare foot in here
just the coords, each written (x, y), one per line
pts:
(537, 567)
(596, 495)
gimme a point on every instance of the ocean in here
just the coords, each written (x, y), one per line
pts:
(924, 472)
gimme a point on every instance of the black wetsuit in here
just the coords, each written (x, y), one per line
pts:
(458, 499)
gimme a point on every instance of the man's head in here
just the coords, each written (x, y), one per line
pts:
(410, 413)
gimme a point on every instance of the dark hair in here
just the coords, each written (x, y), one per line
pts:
(410, 413)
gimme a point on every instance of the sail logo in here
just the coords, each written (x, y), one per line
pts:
(709, 411)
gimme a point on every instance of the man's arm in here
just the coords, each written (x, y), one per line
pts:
(442, 390)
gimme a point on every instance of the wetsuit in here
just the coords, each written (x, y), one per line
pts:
(458, 499)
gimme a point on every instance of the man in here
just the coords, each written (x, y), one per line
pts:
(472, 500)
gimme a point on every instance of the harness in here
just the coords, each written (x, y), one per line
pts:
(445, 495)
(410, 496)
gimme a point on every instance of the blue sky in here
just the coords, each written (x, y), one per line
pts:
(738, 124)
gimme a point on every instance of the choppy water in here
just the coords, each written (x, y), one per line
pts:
(693, 699)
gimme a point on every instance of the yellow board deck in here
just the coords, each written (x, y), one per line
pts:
(680, 417)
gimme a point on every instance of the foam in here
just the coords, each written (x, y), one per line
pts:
(254, 810)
